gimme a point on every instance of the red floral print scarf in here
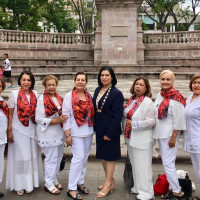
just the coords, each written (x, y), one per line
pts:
(130, 113)
(4, 108)
(171, 94)
(83, 110)
(49, 105)
(25, 110)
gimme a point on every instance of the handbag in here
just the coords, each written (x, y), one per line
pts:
(128, 176)
(161, 186)
(186, 187)
(62, 163)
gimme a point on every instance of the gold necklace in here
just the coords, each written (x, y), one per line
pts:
(105, 98)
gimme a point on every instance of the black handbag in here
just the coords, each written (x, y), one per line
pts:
(62, 163)
(128, 176)
(186, 187)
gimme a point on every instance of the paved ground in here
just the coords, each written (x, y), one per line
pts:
(124, 85)
(94, 177)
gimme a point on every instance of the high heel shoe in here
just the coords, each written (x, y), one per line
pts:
(113, 184)
(100, 187)
(107, 188)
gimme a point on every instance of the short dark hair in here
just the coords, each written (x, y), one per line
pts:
(195, 76)
(112, 73)
(148, 87)
(31, 77)
(6, 54)
(81, 73)
(3, 84)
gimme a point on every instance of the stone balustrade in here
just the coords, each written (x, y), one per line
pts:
(171, 37)
(43, 37)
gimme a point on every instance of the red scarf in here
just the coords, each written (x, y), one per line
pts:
(130, 113)
(171, 94)
(25, 110)
(83, 110)
(4, 108)
(49, 105)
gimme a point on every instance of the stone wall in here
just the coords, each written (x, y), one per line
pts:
(172, 54)
(179, 48)
(46, 51)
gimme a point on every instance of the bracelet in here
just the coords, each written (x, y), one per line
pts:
(66, 136)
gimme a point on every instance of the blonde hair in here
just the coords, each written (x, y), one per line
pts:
(49, 77)
(167, 71)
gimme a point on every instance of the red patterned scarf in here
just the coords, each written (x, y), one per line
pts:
(4, 108)
(49, 105)
(171, 94)
(130, 113)
(25, 110)
(83, 110)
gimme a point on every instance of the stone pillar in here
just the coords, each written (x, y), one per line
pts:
(116, 38)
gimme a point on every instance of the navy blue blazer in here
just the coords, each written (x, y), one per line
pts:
(108, 122)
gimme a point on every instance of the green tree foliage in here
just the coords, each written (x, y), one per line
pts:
(165, 8)
(190, 13)
(26, 15)
(157, 7)
(56, 14)
(86, 12)
(23, 14)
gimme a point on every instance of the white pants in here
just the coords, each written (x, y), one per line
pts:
(53, 157)
(195, 157)
(141, 161)
(168, 156)
(81, 147)
(2, 149)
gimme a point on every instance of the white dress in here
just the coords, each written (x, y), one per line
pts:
(3, 139)
(24, 167)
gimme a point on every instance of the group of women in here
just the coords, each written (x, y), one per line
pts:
(48, 121)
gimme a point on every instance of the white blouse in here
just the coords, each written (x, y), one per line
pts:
(48, 134)
(192, 118)
(3, 125)
(175, 119)
(82, 131)
(29, 131)
(142, 123)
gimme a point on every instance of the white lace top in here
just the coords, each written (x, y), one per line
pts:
(48, 134)
(3, 125)
(192, 118)
(30, 130)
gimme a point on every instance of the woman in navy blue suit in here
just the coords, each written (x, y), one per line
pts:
(108, 103)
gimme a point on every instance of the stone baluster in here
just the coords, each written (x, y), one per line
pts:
(28, 38)
(9, 37)
(58, 39)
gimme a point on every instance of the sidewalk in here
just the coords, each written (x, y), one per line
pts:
(94, 177)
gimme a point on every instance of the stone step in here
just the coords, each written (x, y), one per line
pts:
(176, 60)
(89, 67)
(47, 62)
(64, 75)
